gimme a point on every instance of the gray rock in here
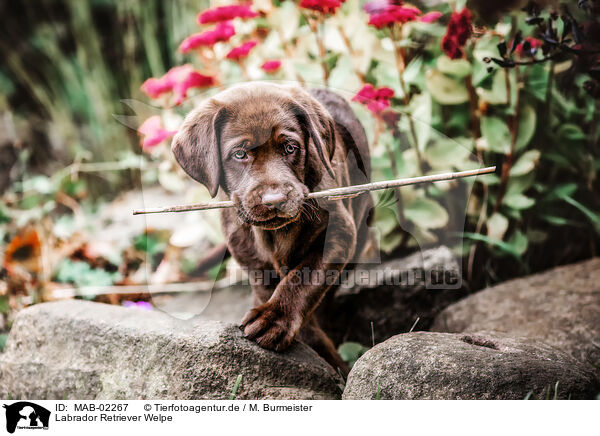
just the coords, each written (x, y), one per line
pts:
(84, 350)
(425, 365)
(392, 295)
(560, 307)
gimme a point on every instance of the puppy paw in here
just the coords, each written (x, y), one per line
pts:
(270, 327)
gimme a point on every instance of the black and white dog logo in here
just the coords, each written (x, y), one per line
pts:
(26, 415)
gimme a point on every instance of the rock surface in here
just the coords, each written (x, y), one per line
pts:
(560, 307)
(424, 365)
(84, 350)
(392, 295)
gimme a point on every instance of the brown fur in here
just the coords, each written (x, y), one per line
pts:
(260, 141)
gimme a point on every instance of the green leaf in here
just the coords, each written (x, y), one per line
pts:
(3, 338)
(518, 201)
(82, 274)
(421, 114)
(458, 68)
(289, 14)
(236, 386)
(525, 163)
(148, 242)
(559, 221)
(570, 133)
(343, 76)
(537, 83)
(591, 215)
(519, 242)
(497, 224)
(412, 74)
(351, 351)
(497, 94)
(561, 191)
(4, 307)
(497, 134)
(386, 222)
(426, 213)
(519, 184)
(527, 124)
(558, 159)
(444, 89)
(503, 246)
(447, 153)
(386, 74)
(4, 214)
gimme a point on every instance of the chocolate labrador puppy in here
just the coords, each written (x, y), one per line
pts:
(267, 146)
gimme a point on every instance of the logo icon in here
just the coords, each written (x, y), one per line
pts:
(26, 415)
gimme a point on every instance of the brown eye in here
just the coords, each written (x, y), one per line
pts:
(289, 148)
(240, 155)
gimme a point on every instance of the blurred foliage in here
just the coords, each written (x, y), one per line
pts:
(351, 351)
(521, 93)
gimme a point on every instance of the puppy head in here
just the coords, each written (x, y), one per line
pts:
(265, 145)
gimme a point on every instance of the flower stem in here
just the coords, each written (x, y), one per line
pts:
(314, 24)
(480, 221)
(508, 163)
(379, 128)
(351, 52)
(401, 66)
(473, 107)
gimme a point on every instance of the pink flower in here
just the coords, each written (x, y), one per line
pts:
(271, 66)
(144, 305)
(375, 99)
(192, 80)
(458, 32)
(323, 6)
(242, 51)
(431, 17)
(386, 13)
(153, 132)
(177, 80)
(221, 33)
(154, 87)
(225, 13)
(528, 47)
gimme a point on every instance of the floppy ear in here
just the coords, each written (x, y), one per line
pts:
(319, 124)
(196, 145)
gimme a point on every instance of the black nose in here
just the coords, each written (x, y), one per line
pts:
(273, 199)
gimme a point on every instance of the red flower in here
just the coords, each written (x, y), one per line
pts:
(153, 132)
(242, 51)
(451, 47)
(225, 13)
(528, 47)
(177, 80)
(458, 32)
(323, 6)
(386, 13)
(430, 17)
(271, 66)
(375, 99)
(221, 33)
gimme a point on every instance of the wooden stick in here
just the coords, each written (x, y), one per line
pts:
(332, 194)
